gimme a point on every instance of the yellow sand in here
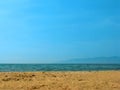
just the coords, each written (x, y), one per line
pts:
(102, 80)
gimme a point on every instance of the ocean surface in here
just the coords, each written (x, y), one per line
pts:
(57, 67)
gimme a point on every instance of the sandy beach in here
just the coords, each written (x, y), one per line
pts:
(95, 80)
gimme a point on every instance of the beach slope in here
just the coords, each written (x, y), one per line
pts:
(95, 80)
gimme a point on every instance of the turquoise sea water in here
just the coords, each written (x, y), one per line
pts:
(57, 67)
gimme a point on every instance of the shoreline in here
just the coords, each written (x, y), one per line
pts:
(63, 71)
(61, 80)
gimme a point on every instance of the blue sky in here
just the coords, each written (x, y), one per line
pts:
(43, 31)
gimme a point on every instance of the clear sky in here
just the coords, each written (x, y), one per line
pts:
(39, 31)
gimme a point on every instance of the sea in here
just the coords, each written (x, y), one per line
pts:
(57, 67)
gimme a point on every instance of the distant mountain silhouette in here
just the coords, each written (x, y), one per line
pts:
(101, 60)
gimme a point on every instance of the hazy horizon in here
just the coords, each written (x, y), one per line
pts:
(49, 31)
